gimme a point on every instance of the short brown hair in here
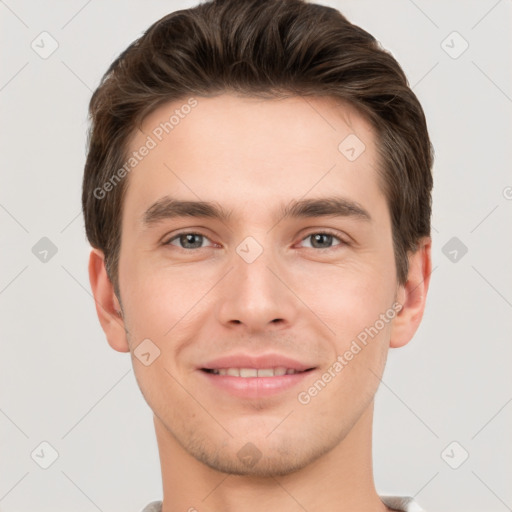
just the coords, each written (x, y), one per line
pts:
(269, 49)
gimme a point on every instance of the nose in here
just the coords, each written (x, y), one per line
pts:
(255, 295)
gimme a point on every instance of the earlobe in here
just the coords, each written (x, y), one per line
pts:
(107, 305)
(412, 295)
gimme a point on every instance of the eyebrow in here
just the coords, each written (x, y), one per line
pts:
(168, 208)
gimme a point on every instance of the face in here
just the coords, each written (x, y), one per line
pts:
(289, 269)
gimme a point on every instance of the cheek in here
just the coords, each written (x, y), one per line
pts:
(158, 299)
(350, 298)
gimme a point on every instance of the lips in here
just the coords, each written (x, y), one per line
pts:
(255, 377)
(245, 365)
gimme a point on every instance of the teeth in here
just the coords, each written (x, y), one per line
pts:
(248, 372)
(266, 372)
(254, 372)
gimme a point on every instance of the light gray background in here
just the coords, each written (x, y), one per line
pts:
(61, 383)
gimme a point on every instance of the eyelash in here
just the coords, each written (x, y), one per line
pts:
(323, 232)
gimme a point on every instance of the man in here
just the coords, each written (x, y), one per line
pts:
(257, 193)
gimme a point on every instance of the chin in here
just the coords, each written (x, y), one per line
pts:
(261, 458)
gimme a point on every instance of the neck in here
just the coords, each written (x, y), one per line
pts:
(341, 480)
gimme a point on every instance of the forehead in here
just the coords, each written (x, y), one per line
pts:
(229, 147)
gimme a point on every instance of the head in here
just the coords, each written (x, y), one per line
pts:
(258, 181)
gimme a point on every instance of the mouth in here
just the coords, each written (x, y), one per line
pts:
(248, 373)
(254, 377)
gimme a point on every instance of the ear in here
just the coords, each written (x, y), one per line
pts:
(107, 304)
(412, 295)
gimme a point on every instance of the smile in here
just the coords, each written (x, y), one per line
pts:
(254, 383)
(253, 372)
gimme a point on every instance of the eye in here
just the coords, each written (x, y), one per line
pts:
(192, 240)
(188, 240)
(323, 240)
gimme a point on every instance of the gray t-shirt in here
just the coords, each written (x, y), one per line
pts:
(398, 503)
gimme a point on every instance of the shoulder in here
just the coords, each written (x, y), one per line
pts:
(401, 503)
(154, 506)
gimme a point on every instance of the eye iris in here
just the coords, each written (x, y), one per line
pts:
(319, 237)
(188, 238)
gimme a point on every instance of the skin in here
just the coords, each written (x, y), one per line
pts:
(306, 301)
